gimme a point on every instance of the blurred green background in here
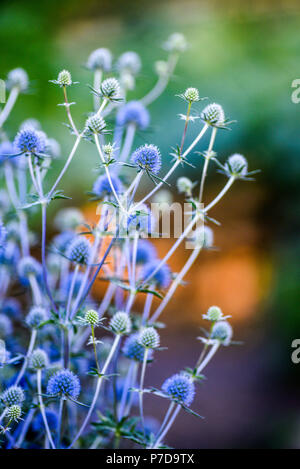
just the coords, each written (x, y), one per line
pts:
(244, 57)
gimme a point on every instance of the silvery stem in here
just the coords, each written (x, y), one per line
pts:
(9, 105)
(42, 407)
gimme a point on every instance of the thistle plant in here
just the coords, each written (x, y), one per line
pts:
(71, 366)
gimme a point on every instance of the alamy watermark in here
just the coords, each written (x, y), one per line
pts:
(159, 220)
(295, 96)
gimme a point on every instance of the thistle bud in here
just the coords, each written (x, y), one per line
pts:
(64, 78)
(110, 88)
(176, 43)
(222, 332)
(213, 115)
(91, 317)
(120, 323)
(14, 413)
(184, 186)
(214, 314)
(149, 338)
(95, 124)
(191, 94)
(236, 165)
(38, 359)
(17, 78)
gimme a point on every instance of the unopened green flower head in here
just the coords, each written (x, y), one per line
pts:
(213, 114)
(236, 165)
(38, 359)
(120, 323)
(108, 150)
(14, 413)
(64, 78)
(91, 317)
(110, 88)
(214, 314)
(191, 95)
(203, 237)
(149, 338)
(95, 124)
(184, 185)
(176, 42)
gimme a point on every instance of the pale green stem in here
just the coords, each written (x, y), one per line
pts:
(162, 82)
(9, 105)
(42, 407)
(70, 157)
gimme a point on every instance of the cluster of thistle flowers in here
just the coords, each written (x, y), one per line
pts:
(61, 386)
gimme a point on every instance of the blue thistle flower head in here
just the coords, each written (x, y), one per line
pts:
(13, 395)
(180, 387)
(28, 266)
(38, 424)
(18, 78)
(102, 186)
(64, 383)
(129, 62)
(100, 59)
(5, 326)
(145, 252)
(147, 158)
(10, 254)
(36, 316)
(133, 113)
(79, 250)
(134, 350)
(162, 278)
(62, 240)
(29, 140)
(11, 307)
